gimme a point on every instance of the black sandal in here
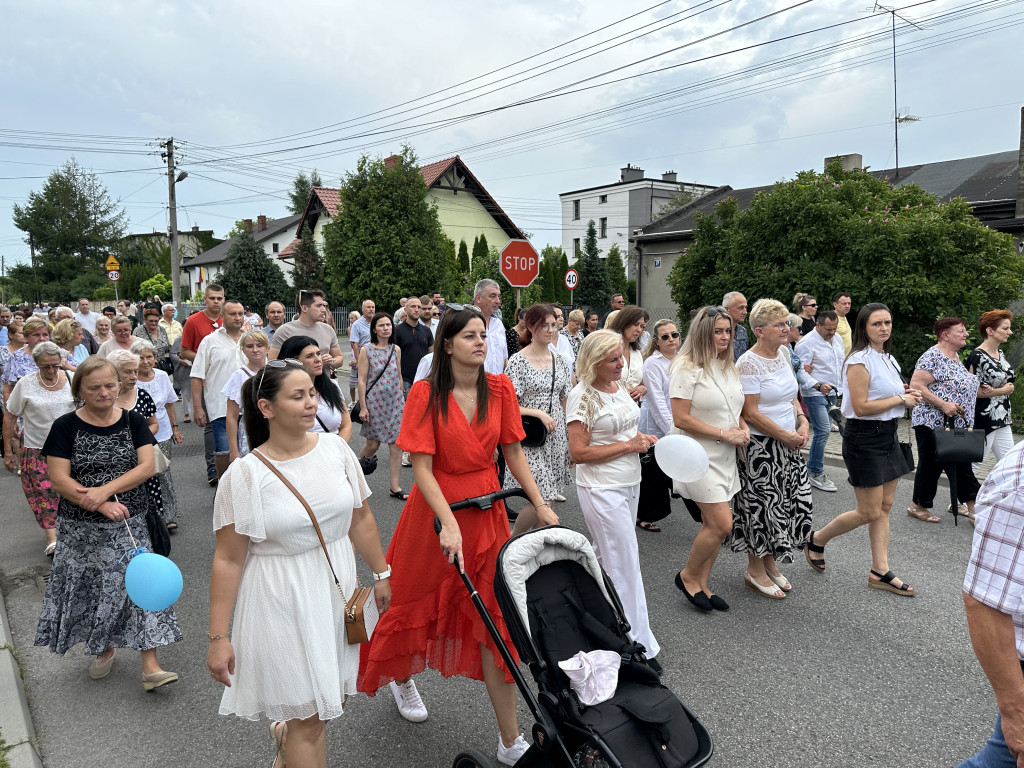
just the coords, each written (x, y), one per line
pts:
(885, 582)
(643, 525)
(399, 494)
(817, 564)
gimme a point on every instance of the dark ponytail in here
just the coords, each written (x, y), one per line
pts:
(264, 386)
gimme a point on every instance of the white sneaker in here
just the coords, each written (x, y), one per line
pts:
(510, 755)
(822, 483)
(410, 705)
(835, 427)
(559, 497)
(405, 460)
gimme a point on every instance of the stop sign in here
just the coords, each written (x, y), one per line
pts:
(519, 264)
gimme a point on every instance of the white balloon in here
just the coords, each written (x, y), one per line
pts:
(680, 457)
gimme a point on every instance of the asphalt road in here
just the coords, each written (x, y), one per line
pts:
(835, 675)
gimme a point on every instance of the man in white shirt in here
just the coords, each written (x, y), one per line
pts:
(821, 353)
(217, 358)
(487, 298)
(86, 316)
(359, 336)
(312, 313)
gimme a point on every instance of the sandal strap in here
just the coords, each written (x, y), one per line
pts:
(814, 547)
(888, 578)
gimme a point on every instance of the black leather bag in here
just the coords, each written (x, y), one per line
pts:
(958, 444)
(536, 432)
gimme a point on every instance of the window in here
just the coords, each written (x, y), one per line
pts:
(602, 199)
(576, 247)
(603, 228)
(276, 246)
(575, 210)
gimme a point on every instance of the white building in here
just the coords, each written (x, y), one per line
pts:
(618, 209)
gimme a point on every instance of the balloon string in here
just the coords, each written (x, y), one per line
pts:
(135, 544)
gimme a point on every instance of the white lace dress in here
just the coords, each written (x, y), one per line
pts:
(291, 656)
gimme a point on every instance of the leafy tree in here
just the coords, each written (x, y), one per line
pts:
(847, 230)
(386, 241)
(616, 270)
(302, 186)
(480, 248)
(630, 291)
(677, 201)
(250, 276)
(157, 285)
(594, 289)
(73, 224)
(454, 273)
(463, 258)
(308, 271)
(564, 295)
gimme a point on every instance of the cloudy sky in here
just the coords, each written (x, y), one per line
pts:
(537, 96)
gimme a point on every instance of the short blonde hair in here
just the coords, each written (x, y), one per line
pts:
(611, 318)
(795, 321)
(593, 351)
(577, 316)
(256, 335)
(33, 324)
(767, 311)
(64, 331)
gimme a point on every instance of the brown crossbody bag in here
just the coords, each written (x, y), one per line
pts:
(360, 609)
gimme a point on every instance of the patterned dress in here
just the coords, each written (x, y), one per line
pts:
(953, 383)
(386, 401)
(549, 463)
(991, 413)
(145, 407)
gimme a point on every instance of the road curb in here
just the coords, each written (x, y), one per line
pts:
(15, 719)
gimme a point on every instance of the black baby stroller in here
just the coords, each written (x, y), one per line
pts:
(556, 601)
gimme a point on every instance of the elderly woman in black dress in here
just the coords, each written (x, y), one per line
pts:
(99, 457)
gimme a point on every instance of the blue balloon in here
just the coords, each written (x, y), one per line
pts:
(153, 582)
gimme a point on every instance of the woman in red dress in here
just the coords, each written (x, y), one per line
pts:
(452, 424)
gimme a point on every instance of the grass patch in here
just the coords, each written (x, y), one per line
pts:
(4, 746)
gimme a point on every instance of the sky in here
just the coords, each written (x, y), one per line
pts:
(538, 97)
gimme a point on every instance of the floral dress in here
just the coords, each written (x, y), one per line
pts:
(991, 413)
(549, 463)
(953, 383)
(145, 407)
(386, 400)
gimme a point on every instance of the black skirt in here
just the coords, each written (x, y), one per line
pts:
(872, 452)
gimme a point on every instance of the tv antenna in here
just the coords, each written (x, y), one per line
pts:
(897, 117)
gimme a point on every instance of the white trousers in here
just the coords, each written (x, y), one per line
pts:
(611, 517)
(1000, 441)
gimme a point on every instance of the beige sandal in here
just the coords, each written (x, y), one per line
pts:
(923, 514)
(278, 732)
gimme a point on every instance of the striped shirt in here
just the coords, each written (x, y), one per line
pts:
(995, 574)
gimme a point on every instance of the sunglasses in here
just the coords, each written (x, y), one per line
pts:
(714, 311)
(275, 364)
(811, 305)
(667, 336)
(460, 307)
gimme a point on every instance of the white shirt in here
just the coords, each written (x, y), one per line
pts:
(610, 418)
(423, 369)
(633, 371)
(656, 410)
(162, 392)
(217, 358)
(88, 320)
(826, 359)
(774, 382)
(884, 382)
(497, 347)
(38, 407)
(563, 349)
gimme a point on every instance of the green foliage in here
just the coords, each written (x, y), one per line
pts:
(463, 258)
(480, 247)
(308, 271)
(453, 272)
(616, 270)
(302, 187)
(386, 241)
(677, 201)
(594, 289)
(820, 233)
(239, 228)
(73, 224)
(564, 296)
(548, 279)
(157, 285)
(250, 276)
(199, 295)
(630, 292)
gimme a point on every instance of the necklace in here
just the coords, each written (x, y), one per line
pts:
(55, 384)
(463, 395)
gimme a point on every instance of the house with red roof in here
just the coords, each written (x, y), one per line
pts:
(465, 209)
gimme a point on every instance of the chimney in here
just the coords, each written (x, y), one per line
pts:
(1019, 212)
(195, 227)
(261, 223)
(392, 161)
(248, 225)
(853, 162)
(668, 176)
(629, 173)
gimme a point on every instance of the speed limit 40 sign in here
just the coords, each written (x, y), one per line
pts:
(572, 279)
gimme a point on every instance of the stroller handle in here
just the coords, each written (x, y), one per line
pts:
(482, 502)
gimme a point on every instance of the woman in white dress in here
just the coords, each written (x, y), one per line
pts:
(286, 656)
(707, 405)
(254, 345)
(606, 445)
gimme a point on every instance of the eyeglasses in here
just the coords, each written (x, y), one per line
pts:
(667, 336)
(460, 307)
(49, 367)
(274, 364)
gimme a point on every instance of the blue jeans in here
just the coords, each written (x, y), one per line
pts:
(220, 436)
(995, 753)
(817, 411)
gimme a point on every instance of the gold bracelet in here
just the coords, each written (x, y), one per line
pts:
(216, 637)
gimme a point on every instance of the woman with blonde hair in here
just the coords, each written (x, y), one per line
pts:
(606, 444)
(773, 505)
(254, 345)
(67, 334)
(707, 405)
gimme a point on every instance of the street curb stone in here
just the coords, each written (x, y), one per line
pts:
(15, 720)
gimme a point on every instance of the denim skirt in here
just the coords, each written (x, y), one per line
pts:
(872, 452)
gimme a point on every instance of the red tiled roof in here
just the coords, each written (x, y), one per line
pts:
(331, 199)
(289, 250)
(434, 171)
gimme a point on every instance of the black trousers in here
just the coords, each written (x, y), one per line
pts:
(960, 474)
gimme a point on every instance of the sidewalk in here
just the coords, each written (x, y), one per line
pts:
(15, 721)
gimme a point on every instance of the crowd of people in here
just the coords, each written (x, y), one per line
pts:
(91, 406)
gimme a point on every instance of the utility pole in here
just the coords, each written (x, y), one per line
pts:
(172, 207)
(3, 279)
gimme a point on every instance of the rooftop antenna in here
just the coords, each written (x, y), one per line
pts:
(897, 117)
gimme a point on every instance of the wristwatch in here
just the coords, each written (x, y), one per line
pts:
(382, 575)
(903, 399)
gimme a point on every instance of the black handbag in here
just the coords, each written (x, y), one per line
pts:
(955, 444)
(905, 447)
(536, 432)
(354, 412)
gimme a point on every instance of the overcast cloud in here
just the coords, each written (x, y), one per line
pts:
(221, 74)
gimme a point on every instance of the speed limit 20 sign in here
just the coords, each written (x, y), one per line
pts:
(572, 279)
(113, 275)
